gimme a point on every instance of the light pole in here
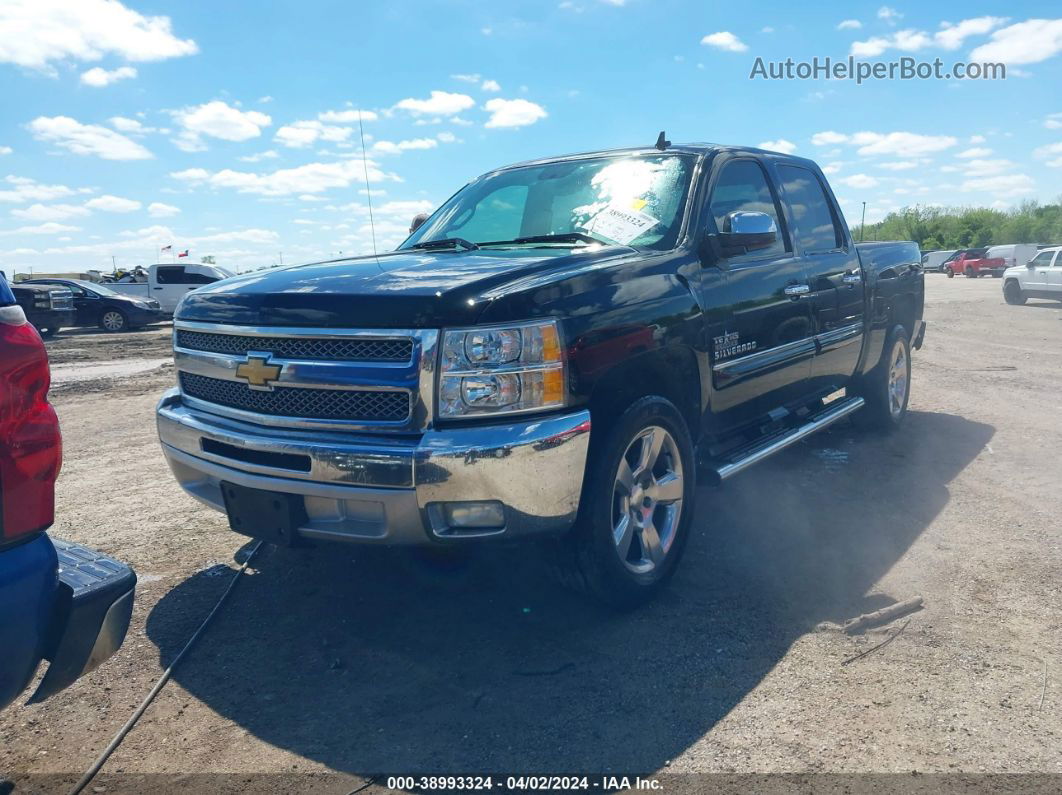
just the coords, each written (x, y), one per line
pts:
(863, 222)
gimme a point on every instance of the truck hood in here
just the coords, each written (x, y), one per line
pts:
(397, 289)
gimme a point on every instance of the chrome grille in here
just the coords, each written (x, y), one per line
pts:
(325, 404)
(307, 348)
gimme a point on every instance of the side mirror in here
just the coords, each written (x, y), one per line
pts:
(417, 221)
(747, 231)
(1030, 264)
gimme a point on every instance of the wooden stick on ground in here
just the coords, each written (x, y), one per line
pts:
(883, 616)
(884, 643)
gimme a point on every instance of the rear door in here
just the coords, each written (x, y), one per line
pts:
(759, 322)
(834, 275)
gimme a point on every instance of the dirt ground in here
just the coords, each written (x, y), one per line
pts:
(335, 660)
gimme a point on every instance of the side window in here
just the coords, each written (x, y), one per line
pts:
(817, 229)
(170, 274)
(198, 278)
(1043, 259)
(742, 187)
(1058, 259)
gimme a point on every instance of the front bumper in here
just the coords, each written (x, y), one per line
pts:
(51, 318)
(364, 488)
(142, 317)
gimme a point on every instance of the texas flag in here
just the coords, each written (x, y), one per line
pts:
(182, 253)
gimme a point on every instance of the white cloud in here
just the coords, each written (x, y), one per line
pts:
(34, 33)
(832, 168)
(49, 228)
(859, 181)
(98, 77)
(905, 40)
(951, 37)
(473, 78)
(440, 103)
(27, 189)
(1031, 41)
(725, 40)
(392, 148)
(301, 134)
(217, 119)
(1005, 185)
(901, 144)
(975, 151)
(269, 154)
(6, 150)
(849, 24)
(977, 139)
(306, 179)
(265, 100)
(985, 168)
(162, 210)
(780, 145)
(126, 125)
(513, 112)
(86, 139)
(50, 212)
(1053, 121)
(1052, 153)
(348, 116)
(828, 138)
(490, 85)
(446, 137)
(889, 14)
(113, 204)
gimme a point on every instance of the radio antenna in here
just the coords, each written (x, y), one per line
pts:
(368, 190)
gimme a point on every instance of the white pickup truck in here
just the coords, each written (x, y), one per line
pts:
(1041, 277)
(168, 284)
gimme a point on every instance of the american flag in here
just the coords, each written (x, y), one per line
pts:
(166, 248)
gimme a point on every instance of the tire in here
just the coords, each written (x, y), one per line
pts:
(887, 388)
(951, 273)
(634, 519)
(971, 273)
(47, 333)
(997, 274)
(113, 320)
(1013, 294)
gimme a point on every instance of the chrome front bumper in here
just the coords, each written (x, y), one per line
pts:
(363, 488)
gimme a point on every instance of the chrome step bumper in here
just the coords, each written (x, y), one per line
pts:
(372, 489)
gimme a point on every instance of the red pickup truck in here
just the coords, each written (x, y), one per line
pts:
(974, 262)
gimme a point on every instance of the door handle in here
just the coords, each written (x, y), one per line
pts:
(797, 290)
(852, 278)
(156, 288)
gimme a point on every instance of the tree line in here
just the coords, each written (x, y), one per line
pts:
(969, 227)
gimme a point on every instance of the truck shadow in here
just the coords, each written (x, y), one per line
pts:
(374, 663)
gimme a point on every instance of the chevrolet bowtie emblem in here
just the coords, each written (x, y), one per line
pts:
(258, 372)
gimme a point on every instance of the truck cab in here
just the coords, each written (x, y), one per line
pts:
(167, 284)
(557, 354)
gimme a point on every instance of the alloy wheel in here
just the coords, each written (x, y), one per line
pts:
(898, 379)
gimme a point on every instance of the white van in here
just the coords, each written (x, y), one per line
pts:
(934, 260)
(1016, 254)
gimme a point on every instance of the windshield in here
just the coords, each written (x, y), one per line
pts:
(92, 287)
(637, 201)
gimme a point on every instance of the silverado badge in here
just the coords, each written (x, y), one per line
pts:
(258, 372)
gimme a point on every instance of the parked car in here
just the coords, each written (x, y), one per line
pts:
(168, 284)
(1013, 254)
(98, 305)
(59, 601)
(974, 262)
(49, 308)
(934, 260)
(694, 306)
(1040, 277)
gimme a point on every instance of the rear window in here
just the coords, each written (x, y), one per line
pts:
(816, 225)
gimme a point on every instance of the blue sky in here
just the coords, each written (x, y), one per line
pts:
(231, 129)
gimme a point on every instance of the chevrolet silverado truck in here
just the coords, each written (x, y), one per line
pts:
(59, 601)
(558, 353)
(48, 308)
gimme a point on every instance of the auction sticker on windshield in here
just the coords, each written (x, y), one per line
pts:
(620, 224)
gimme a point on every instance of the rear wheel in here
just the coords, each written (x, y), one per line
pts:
(887, 388)
(971, 273)
(112, 320)
(636, 509)
(1012, 293)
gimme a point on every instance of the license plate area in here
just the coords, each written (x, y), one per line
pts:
(268, 515)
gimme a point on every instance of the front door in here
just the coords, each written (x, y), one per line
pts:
(836, 278)
(1036, 274)
(759, 321)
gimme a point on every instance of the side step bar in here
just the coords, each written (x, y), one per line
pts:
(765, 448)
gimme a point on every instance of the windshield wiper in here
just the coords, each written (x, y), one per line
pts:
(447, 242)
(566, 237)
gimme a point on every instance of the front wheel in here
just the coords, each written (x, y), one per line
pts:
(951, 273)
(636, 509)
(112, 320)
(1012, 293)
(46, 332)
(887, 388)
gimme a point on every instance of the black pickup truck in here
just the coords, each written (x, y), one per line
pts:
(559, 352)
(48, 308)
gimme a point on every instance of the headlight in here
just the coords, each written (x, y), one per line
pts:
(501, 370)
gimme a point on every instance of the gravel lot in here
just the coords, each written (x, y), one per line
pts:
(335, 659)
